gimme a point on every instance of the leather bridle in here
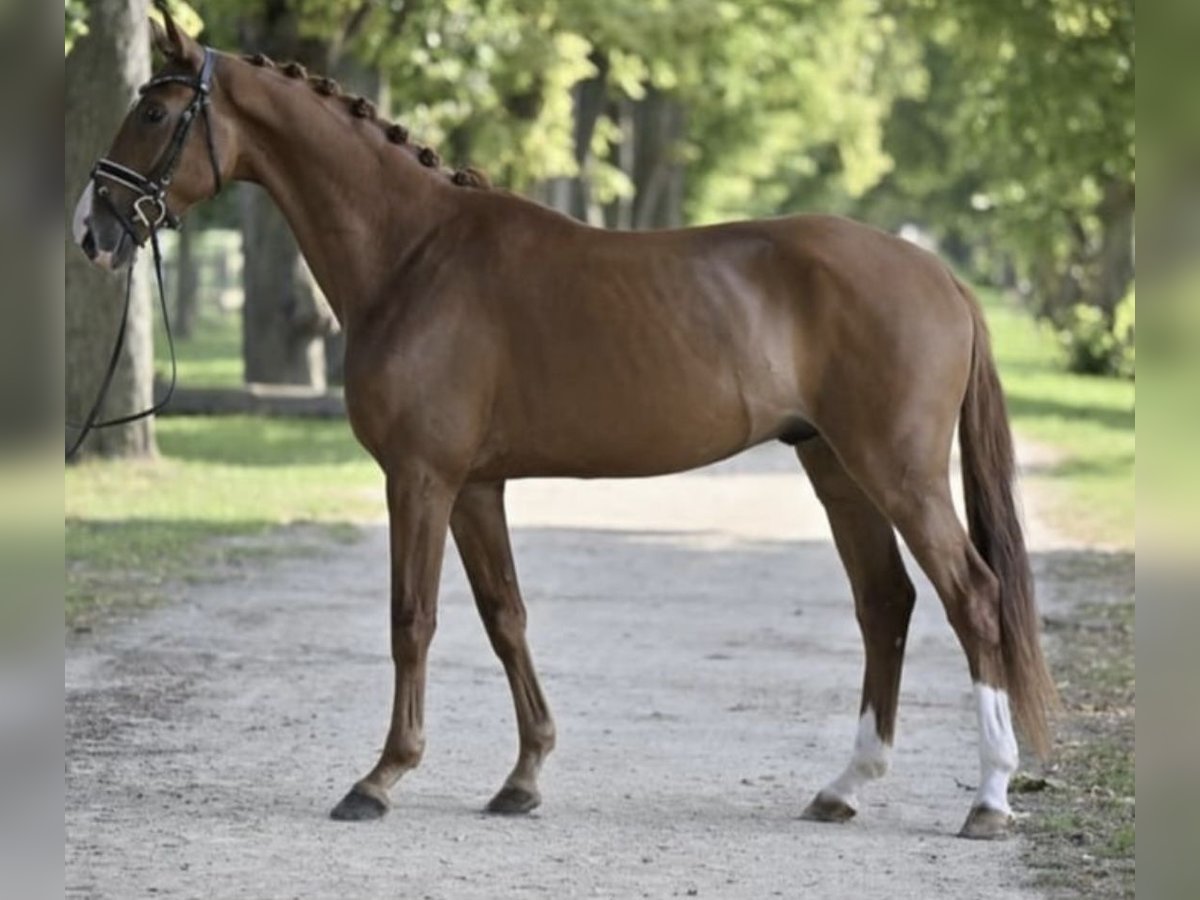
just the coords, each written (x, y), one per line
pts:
(150, 208)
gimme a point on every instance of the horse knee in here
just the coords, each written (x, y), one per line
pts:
(412, 631)
(505, 625)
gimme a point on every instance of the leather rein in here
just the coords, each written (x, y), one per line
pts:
(150, 209)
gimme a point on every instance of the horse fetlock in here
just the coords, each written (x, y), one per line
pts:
(871, 766)
(406, 754)
(541, 738)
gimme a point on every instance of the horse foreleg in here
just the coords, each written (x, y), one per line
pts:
(883, 602)
(418, 510)
(481, 533)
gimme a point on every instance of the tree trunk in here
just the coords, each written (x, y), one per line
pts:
(103, 73)
(657, 170)
(283, 318)
(620, 213)
(1115, 263)
(187, 281)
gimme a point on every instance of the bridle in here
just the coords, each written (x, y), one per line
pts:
(150, 209)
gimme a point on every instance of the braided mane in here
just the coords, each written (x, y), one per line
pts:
(362, 108)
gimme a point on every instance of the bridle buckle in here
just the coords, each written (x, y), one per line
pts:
(159, 207)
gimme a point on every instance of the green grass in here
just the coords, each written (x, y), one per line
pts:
(134, 526)
(1088, 421)
(211, 357)
(1082, 829)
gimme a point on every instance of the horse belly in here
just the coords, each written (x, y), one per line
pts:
(642, 415)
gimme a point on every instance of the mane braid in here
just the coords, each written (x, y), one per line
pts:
(362, 108)
(325, 86)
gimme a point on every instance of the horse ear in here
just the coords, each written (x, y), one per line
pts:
(159, 40)
(172, 41)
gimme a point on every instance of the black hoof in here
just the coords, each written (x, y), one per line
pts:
(512, 801)
(359, 806)
(985, 824)
(825, 808)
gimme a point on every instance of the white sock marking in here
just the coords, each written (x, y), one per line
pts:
(997, 748)
(870, 761)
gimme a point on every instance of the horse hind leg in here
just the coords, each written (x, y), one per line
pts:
(883, 602)
(481, 533)
(914, 494)
(970, 593)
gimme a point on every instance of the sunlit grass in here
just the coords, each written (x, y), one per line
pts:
(1088, 421)
(211, 357)
(132, 526)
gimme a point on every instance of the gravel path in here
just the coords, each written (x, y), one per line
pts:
(697, 645)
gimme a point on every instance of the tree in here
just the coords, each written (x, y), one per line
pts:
(103, 71)
(1046, 119)
(284, 315)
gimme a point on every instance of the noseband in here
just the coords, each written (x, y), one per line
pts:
(150, 207)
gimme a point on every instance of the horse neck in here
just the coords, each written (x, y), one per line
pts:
(355, 202)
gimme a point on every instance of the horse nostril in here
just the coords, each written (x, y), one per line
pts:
(89, 244)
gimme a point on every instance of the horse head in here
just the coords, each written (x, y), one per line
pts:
(173, 149)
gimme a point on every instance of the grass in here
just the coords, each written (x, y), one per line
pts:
(1081, 826)
(134, 527)
(211, 357)
(1086, 421)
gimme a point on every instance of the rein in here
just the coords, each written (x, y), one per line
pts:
(150, 208)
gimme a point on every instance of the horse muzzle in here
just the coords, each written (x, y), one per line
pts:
(99, 235)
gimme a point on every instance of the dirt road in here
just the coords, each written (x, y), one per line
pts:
(698, 648)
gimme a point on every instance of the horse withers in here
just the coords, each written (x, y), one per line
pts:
(490, 338)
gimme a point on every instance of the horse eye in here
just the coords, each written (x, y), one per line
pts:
(153, 114)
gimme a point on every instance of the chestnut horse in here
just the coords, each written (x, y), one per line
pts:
(490, 338)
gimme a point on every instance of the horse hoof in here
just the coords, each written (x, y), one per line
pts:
(825, 808)
(985, 824)
(512, 801)
(359, 806)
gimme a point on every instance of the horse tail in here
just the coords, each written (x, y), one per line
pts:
(988, 474)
